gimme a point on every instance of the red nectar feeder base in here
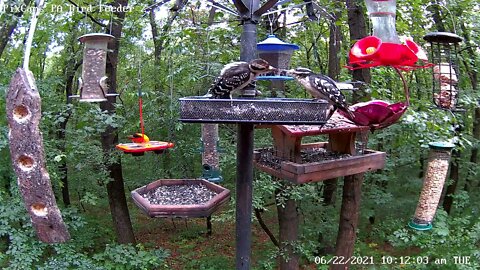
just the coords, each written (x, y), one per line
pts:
(376, 114)
(138, 149)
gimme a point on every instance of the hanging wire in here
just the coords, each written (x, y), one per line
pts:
(140, 94)
(449, 12)
(1, 6)
(31, 32)
(271, 23)
(110, 23)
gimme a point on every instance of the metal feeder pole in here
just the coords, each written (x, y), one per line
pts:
(244, 185)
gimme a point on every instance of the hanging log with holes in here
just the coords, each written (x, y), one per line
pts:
(27, 155)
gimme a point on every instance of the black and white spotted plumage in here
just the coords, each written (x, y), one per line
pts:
(236, 76)
(321, 87)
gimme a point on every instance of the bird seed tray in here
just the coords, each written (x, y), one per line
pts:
(186, 198)
(317, 164)
(286, 111)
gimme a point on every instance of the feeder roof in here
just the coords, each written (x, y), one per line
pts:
(442, 37)
(441, 145)
(96, 37)
(272, 43)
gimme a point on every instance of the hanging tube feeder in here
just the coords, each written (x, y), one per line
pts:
(435, 176)
(93, 83)
(277, 53)
(443, 47)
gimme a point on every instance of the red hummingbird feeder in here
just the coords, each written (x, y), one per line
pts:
(384, 47)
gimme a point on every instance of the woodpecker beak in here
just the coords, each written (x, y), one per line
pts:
(291, 72)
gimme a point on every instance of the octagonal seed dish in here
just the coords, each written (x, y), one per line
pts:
(187, 198)
(286, 111)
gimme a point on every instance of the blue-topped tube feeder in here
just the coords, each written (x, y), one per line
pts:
(277, 53)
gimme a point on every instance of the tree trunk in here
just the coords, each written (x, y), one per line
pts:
(288, 221)
(358, 30)
(454, 177)
(334, 46)
(28, 158)
(9, 25)
(71, 66)
(352, 190)
(473, 76)
(115, 188)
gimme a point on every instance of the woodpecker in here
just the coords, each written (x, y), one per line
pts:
(139, 138)
(321, 87)
(237, 75)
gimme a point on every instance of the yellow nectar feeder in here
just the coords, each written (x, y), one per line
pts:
(141, 144)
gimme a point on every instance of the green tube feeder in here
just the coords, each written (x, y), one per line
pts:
(435, 176)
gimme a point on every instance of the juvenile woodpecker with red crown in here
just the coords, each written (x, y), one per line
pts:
(236, 76)
(321, 87)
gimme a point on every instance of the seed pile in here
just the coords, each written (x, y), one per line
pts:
(270, 158)
(253, 111)
(179, 195)
(432, 187)
(210, 138)
(93, 68)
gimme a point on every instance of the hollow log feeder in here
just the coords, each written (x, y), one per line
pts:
(28, 159)
(342, 133)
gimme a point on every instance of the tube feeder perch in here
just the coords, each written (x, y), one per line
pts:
(93, 83)
(277, 53)
(437, 168)
(443, 48)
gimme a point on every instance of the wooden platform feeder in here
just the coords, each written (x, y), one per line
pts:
(353, 160)
(333, 166)
(335, 158)
(141, 198)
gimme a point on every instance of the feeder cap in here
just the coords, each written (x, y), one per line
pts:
(419, 226)
(441, 145)
(442, 37)
(272, 43)
(96, 36)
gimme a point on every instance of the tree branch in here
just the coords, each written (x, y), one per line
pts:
(258, 215)
(86, 14)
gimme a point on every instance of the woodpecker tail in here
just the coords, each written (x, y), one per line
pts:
(347, 111)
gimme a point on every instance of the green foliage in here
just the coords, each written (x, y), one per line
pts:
(450, 237)
(22, 250)
(192, 55)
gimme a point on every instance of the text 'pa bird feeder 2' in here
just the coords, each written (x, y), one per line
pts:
(93, 83)
(277, 53)
(443, 47)
(435, 176)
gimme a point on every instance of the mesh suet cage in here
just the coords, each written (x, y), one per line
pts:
(446, 72)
